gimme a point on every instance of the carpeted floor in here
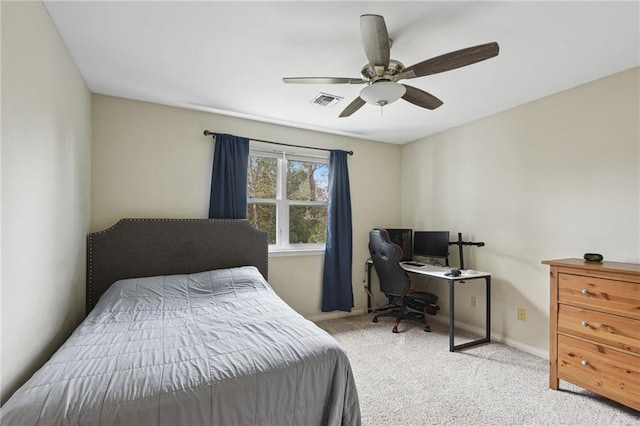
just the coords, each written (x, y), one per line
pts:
(411, 378)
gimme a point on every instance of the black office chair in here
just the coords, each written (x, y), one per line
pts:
(404, 302)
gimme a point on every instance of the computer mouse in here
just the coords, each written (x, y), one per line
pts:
(453, 273)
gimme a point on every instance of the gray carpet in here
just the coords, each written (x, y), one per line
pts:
(411, 378)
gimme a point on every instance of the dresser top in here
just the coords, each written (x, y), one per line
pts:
(630, 268)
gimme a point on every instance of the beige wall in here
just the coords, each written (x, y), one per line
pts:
(46, 177)
(554, 178)
(153, 161)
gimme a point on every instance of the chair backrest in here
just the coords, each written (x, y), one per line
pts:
(386, 255)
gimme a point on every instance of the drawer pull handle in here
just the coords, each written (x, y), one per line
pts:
(585, 324)
(585, 362)
(585, 291)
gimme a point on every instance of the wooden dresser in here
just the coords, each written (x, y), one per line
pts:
(595, 327)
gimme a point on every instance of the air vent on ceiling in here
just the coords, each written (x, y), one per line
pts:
(326, 100)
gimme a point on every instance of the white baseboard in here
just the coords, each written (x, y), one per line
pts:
(497, 337)
(334, 315)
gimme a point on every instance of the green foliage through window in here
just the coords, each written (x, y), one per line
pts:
(288, 198)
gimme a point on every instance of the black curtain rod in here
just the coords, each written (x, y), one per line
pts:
(210, 133)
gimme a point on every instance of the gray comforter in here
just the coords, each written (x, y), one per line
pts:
(214, 348)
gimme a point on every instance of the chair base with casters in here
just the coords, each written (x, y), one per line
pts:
(414, 306)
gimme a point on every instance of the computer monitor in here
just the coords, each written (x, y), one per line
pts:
(402, 237)
(431, 243)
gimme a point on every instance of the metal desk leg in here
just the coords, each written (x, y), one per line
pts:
(487, 338)
(369, 266)
(451, 316)
(488, 320)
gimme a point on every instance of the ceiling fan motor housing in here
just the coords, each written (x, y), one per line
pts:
(395, 68)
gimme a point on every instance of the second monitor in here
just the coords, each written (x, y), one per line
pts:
(402, 237)
(431, 244)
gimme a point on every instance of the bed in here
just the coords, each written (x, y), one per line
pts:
(183, 329)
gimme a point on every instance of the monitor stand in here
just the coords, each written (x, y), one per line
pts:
(461, 243)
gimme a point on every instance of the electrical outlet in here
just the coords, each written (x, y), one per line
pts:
(522, 314)
(474, 301)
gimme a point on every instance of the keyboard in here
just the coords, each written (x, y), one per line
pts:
(411, 263)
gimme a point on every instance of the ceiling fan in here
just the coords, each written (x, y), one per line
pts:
(381, 74)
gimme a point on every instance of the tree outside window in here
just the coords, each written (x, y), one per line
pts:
(288, 198)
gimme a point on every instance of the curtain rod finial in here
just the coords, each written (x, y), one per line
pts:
(208, 133)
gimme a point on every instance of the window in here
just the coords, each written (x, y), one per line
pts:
(288, 199)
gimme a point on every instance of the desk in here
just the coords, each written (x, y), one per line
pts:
(439, 272)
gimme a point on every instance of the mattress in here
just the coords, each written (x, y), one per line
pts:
(212, 348)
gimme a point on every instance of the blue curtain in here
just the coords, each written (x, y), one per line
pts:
(337, 289)
(229, 178)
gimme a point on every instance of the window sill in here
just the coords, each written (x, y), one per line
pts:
(279, 252)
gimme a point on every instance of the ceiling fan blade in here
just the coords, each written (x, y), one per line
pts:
(453, 60)
(375, 41)
(421, 98)
(353, 107)
(323, 80)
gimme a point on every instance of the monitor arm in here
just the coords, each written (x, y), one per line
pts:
(461, 243)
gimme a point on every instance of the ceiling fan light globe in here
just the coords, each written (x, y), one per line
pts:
(382, 93)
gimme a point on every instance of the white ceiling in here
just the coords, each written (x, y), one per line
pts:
(230, 57)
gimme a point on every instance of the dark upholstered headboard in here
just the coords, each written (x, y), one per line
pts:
(134, 248)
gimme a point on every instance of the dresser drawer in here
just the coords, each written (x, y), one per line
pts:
(616, 297)
(621, 332)
(609, 372)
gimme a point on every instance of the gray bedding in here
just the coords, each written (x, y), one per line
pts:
(215, 348)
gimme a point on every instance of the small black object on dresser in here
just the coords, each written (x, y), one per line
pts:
(593, 257)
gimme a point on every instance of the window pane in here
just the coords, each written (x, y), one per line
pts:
(307, 181)
(262, 177)
(263, 217)
(307, 224)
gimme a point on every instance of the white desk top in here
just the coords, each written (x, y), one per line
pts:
(439, 272)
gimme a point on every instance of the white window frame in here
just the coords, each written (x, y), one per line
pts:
(282, 246)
